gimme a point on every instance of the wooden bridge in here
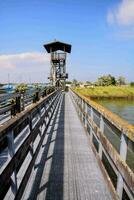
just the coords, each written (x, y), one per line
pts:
(58, 149)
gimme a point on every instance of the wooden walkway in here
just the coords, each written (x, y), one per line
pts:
(66, 168)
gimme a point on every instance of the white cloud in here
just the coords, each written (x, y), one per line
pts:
(33, 64)
(13, 61)
(123, 14)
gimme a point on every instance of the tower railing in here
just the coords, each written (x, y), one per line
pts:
(56, 56)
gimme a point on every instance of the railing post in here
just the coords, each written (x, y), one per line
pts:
(22, 100)
(102, 131)
(82, 106)
(85, 115)
(13, 110)
(92, 114)
(18, 104)
(123, 147)
(44, 93)
(123, 154)
(81, 113)
(36, 97)
(77, 103)
(31, 128)
(11, 150)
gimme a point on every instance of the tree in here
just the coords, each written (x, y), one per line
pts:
(75, 82)
(68, 82)
(37, 86)
(132, 84)
(21, 88)
(121, 80)
(88, 83)
(106, 80)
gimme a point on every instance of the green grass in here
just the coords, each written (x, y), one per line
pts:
(107, 91)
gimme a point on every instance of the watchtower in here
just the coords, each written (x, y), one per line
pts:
(58, 51)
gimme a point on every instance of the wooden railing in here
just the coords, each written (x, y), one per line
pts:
(17, 102)
(113, 142)
(20, 141)
(58, 56)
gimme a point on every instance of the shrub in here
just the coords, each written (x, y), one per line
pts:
(132, 84)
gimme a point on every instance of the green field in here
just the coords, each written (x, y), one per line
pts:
(107, 91)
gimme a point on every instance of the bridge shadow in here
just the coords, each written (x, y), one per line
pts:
(49, 178)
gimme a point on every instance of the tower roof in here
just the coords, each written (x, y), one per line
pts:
(57, 45)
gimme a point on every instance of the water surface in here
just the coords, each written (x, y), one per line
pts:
(122, 107)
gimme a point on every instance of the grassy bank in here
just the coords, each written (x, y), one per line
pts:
(107, 92)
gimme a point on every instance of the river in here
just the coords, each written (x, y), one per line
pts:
(122, 107)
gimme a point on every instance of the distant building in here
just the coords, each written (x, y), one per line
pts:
(85, 85)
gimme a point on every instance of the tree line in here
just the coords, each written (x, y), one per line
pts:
(106, 80)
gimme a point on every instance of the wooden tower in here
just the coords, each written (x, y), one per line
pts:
(58, 51)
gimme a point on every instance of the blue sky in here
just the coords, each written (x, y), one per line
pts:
(101, 33)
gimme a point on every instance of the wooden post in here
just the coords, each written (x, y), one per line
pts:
(36, 97)
(92, 114)
(78, 106)
(22, 100)
(30, 128)
(82, 106)
(123, 154)
(45, 91)
(13, 110)
(102, 130)
(85, 115)
(18, 104)
(11, 151)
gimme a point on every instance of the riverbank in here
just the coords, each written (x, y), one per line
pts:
(107, 92)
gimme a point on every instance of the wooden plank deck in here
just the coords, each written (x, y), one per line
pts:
(66, 168)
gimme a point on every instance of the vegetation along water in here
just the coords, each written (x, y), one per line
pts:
(119, 100)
